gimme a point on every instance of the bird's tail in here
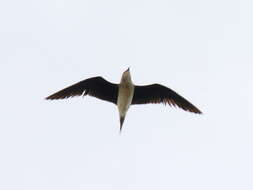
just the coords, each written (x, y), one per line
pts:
(122, 118)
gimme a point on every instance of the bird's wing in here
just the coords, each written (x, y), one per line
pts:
(96, 86)
(156, 93)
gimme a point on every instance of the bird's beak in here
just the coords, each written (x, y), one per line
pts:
(128, 69)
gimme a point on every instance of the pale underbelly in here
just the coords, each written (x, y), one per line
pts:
(124, 99)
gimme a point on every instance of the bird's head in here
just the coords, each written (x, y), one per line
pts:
(126, 77)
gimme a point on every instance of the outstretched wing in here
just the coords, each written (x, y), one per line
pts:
(96, 86)
(157, 93)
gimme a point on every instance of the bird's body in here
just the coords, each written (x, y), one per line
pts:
(125, 94)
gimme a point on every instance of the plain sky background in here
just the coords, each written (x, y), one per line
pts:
(201, 49)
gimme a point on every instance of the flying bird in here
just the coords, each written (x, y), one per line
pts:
(125, 94)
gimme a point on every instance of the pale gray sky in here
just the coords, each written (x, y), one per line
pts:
(201, 49)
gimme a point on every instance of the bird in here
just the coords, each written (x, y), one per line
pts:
(125, 94)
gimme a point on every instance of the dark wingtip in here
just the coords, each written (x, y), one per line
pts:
(51, 97)
(196, 110)
(200, 112)
(48, 98)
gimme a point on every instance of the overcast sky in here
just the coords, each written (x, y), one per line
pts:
(201, 49)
